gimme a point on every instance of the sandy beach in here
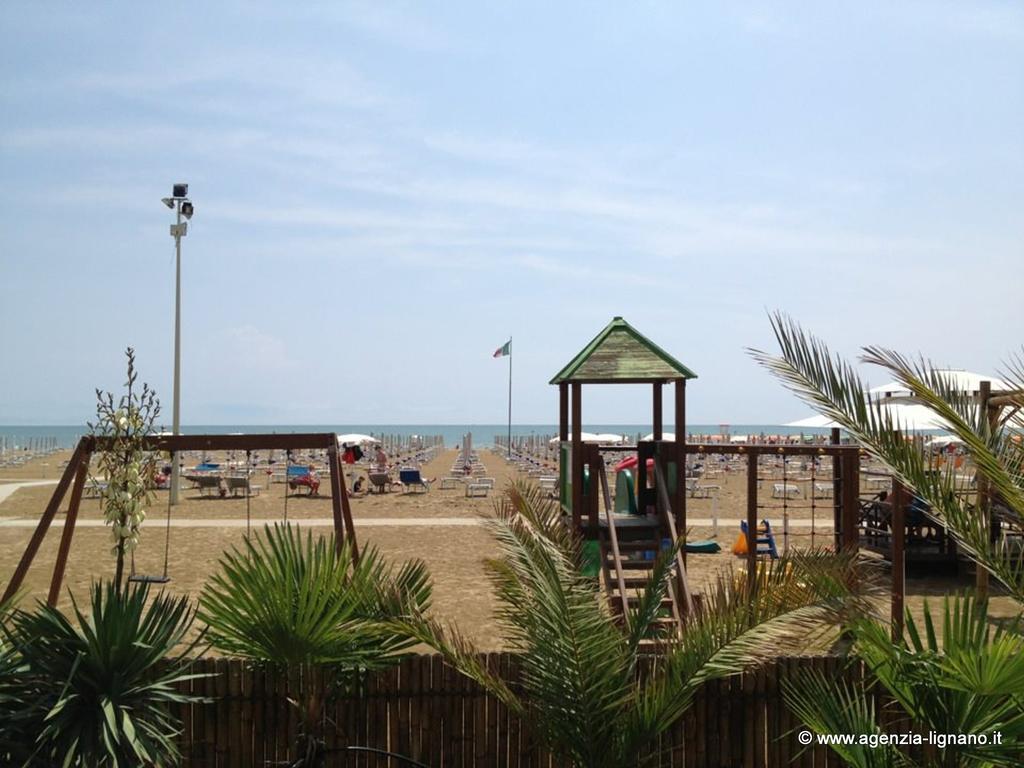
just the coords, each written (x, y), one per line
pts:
(441, 527)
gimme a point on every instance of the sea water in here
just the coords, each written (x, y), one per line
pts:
(66, 436)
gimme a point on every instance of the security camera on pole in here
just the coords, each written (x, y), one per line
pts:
(177, 201)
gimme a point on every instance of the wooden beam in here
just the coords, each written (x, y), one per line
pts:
(70, 519)
(680, 459)
(656, 415)
(343, 527)
(898, 507)
(255, 442)
(563, 412)
(1004, 399)
(577, 458)
(789, 450)
(837, 485)
(851, 495)
(751, 520)
(981, 580)
(44, 522)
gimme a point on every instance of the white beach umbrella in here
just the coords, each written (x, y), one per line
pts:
(668, 436)
(813, 422)
(609, 438)
(354, 438)
(586, 437)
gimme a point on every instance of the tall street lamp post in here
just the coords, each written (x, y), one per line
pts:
(179, 202)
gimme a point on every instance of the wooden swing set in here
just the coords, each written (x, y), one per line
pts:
(77, 471)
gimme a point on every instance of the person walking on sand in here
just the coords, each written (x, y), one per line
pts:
(381, 459)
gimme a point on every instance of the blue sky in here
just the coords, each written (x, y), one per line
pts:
(385, 193)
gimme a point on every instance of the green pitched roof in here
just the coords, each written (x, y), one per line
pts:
(620, 353)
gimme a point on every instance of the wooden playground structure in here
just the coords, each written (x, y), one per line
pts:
(77, 471)
(623, 546)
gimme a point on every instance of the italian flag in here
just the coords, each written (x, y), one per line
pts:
(504, 350)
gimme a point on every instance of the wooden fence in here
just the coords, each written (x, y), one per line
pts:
(425, 710)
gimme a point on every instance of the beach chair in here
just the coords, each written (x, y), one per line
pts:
(786, 490)
(477, 490)
(411, 478)
(381, 481)
(243, 484)
(448, 483)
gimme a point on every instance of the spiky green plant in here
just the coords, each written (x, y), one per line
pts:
(967, 679)
(288, 600)
(16, 704)
(580, 691)
(100, 687)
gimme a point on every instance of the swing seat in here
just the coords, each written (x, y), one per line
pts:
(140, 579)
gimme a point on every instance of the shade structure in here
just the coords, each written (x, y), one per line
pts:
(907, 417)
(621, 354)
(609, 438)
(963, 381)
(354, 438)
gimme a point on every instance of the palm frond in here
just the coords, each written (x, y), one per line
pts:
(830, 707)
(834, 388)
(288, 599)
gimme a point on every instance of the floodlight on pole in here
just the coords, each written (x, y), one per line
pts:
(178, 200)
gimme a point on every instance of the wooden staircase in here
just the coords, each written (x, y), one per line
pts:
(628, 550)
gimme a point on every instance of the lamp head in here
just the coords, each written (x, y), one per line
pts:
(180, 190)
(169, 202)
(187, 210)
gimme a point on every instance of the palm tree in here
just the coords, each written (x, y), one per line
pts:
(290, 601)
(972, 680)
(581, 691)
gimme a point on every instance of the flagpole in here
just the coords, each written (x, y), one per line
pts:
(510, 397)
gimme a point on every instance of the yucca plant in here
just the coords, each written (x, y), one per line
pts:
(288, 600)
(16, 706)
(100, 687)
(965, 678)
(581, 692)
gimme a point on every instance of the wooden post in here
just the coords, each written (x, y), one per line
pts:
(984, 505)
(751, 518)
(563, 436)
(563, 411)
(898, 502)
(656, 416)
(44, 522)
(577, 458)
(837, 485)
(69, 530)
(680, 454)
(343, 526)
(851, 494)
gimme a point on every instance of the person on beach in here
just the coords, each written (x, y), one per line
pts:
(381, 459)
